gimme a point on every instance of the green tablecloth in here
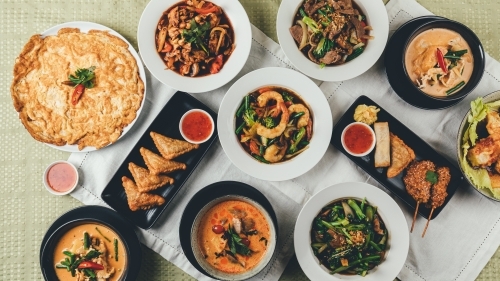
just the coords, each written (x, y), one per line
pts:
(28, 210)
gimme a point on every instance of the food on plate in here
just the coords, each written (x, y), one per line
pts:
(61, 177)
(358, 139)
(233, 236)
(366, 114)
(157, 164)
(439, 61)
(383, 145)
(438, 192)
(170, 148)
(401, 156)
(194, 38)
(330, 32)
(481, 146)
(273, 124)
(138, 200)
(90, 251)
(348, 236)
(147, 181)
(103, 96)
(417, 184)
(196, 126)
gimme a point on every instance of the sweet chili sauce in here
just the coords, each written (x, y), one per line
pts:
(197, 126)
(358, 139)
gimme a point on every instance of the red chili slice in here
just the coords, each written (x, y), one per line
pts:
(90, 265)
(77, 93)
(216, 64)
(440, 59)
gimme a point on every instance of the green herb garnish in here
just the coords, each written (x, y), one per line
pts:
(83, 76)
(431, 177)
(196, 34)
(235, 244)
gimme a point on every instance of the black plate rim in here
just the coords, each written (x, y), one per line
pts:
(451, 191)
(210, 142)
(104, 216)
(194, 207)
(418, 100)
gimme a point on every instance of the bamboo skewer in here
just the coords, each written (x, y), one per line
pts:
(427, 224)
(414, 216)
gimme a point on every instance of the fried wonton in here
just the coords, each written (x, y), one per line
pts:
(147, 181)
(137, 200)
(157, 164)
(401, 156)
(171, 148)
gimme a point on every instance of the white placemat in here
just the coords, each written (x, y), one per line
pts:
(458, 243)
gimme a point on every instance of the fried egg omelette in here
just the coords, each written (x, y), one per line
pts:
(44, 102)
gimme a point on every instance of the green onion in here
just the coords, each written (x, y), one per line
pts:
(115, 243)
(302, 13)
(61, 266)
(240, 110)
(458, 86)
(375, 246)
(355, 54)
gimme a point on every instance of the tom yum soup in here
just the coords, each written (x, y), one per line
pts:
(89, 252)
(233, 236)
(194, 38)
(439, 61)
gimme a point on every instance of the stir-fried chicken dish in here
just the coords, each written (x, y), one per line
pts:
(349, 237)
(273, 124)
(194, 38)
(330, 32)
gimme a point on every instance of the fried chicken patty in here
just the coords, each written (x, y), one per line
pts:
(416, 184)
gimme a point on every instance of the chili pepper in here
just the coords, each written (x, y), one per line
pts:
(77, 93)
(440, 59)
(216, 64)
(207, 9)
(90, 265)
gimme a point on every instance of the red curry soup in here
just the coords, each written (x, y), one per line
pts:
(89, 251)
(233, 236)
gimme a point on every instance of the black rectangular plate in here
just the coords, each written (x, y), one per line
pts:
(422, 150)
(166, 123)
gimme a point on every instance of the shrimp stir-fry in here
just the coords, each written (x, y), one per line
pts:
(273, 124)
(194, 38)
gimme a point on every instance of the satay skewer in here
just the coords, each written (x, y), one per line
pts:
(438, 192)
(414, 216)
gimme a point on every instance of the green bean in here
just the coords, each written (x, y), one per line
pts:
(115, 244)
(86, 241)
(458, 86)
(261, 159)
(61, 266)
(240, 110)
(240, 128)
(375, 246)
(367, 259)
(102, 234)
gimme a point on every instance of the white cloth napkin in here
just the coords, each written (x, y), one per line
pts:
(458, 243)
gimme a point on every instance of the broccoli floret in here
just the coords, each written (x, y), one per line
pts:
(296, 140)
(287, 97)
(269, 122)
(249, 117)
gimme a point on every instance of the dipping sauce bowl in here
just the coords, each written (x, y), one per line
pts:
(60, 177)
(358, 139)
(196, 126)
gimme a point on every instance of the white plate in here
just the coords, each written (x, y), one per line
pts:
(85, 26)
(147, 47)
(398, 241)
(308, 91)
(376, 17)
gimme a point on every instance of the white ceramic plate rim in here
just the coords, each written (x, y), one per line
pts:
(146, 38)
(393, 217)
(309, 92)
(376, 15)
(85, 26)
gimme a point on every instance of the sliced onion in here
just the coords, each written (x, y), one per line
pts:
(305, 38)
(358, 46)
(222, 34)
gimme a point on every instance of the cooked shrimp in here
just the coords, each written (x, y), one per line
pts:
(274, 153)
(304, 119)
(280, 107)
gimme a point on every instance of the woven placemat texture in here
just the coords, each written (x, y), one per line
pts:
(28, 210)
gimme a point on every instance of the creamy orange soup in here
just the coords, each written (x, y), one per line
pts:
(422, 65)
(254, 227)
(73, 240)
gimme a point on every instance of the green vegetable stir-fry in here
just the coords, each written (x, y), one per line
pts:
(349, 237)
(273, 124)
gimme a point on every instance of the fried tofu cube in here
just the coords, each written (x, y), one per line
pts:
(484, 153)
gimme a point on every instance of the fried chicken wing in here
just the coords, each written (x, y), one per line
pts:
(493, 123)
(484, 153)
(137, 200)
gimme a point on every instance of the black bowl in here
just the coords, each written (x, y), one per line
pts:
(98, 215)
(476, 49)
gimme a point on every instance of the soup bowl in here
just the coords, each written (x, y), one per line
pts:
(100, 217)
(477, 53)
(199, 254)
